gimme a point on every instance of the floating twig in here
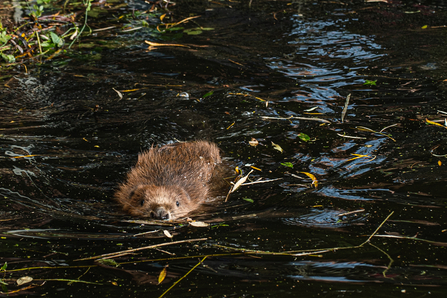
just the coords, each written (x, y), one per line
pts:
(260, 181)
(296, 118)
(392, 125)
(200, 262)
(350, 137)
(126, 252)
(345, 108)
(351, 212)
(308, 251)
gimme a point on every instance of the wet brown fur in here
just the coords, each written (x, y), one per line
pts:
(170, 181)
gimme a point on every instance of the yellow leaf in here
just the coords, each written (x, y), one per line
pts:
(439, 163)
(253, 142)
(255, 168)
(314, 179)
(23, 156)
(434, 123)
(239, 182)
(162, 275)
(237, 170)
(424, 27)
(357, 156)
(162, 17)
(277, 147)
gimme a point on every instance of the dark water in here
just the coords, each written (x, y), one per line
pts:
(67, 140)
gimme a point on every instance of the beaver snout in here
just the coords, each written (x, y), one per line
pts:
(160, 213)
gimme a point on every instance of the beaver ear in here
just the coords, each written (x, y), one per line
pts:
(136, 189)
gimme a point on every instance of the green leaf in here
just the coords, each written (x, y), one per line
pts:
(248, 200)
(56, 39)
(8, 58)
(304, 137)
(287, 164)
(4, 266)
(219, 225)
(4, 37)
(108, 262)
(370, 83)
(208, 94)
(195, 31)
(47, 44)
(175, 29)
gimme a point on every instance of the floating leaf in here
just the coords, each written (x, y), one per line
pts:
(175, 28)
(199, 224)
(358, 156)
(287, 164)
(162, 275)
(257, 169)
(4, 266)
(434, 123)
(424, 27)
(167, 234)
(108, 262)
(239, 182)
(248, 200)
(370, 83)
(237, 170)
(24, 280)
(277, 147)
(196, 31)
(304, 137)
(439, 163)
(208, 94)
(193, 31)
(119, 93)
(219, 225)
(253, 142)
(314, 179)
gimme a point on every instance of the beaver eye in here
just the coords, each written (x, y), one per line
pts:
(177, 203)
(142, 202)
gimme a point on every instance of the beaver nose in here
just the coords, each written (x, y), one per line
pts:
(160, 213)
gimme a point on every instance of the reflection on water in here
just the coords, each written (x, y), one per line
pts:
(325, 218)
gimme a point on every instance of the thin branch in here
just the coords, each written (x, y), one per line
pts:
(200, 262)
(126, 252)
(297, 118)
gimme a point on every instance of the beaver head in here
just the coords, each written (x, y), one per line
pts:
(159, 202)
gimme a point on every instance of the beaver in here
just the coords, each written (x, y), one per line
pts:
(169, 182)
